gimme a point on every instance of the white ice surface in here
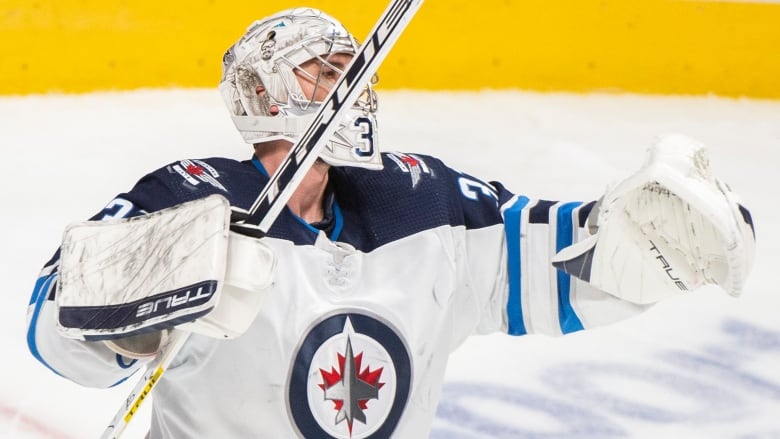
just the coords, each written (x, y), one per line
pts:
(702, 366)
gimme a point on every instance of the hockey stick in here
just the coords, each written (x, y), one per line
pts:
(144, 386)
(287, 177)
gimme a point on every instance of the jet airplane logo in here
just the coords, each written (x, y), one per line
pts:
(350, 389)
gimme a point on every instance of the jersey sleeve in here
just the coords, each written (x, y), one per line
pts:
(92, 363)
(509, 243)
(539, 297)
(88, 363)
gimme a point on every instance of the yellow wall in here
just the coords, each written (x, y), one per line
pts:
(648, 46)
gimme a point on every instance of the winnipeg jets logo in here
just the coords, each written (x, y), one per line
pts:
(412, 165)
(350, 379)
(349, 388)
(352, 390)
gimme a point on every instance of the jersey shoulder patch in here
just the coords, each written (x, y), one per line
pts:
(195, 172)
(414, 166)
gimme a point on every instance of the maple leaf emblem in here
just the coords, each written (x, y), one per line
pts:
(411, 161)
(194, 170)
(350, 388)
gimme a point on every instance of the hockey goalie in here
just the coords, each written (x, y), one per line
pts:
(339, 322)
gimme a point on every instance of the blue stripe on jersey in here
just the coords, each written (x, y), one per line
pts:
(122, 380)
(339, 220)
(512, 224)
(307, 225)
(39, 295)
(564, 238)
(259, 166)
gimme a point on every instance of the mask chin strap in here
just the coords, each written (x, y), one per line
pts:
(291, 120)
(257, 128)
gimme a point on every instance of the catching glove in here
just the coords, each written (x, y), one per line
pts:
(670, 228)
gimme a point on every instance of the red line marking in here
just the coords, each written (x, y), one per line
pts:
(25, 422)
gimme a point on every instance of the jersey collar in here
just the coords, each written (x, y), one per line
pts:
(332, 221)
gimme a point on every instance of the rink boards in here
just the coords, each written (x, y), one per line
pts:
(728, 48)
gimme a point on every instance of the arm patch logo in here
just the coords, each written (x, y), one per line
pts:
(196, 172)
(411, 164)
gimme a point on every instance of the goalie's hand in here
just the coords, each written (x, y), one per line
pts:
(669, 228)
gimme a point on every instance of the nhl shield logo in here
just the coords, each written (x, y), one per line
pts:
(350, 379)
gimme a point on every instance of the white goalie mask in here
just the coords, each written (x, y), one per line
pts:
(269, 55)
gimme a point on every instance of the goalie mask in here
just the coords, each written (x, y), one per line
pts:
(270, 55)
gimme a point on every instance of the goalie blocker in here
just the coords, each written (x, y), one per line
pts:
(131, 278)
(669, 228)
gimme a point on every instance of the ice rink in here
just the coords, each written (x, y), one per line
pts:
(700, 366)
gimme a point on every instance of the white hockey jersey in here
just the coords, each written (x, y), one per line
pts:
(365, 306)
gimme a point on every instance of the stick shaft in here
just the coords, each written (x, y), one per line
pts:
(145, 385)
